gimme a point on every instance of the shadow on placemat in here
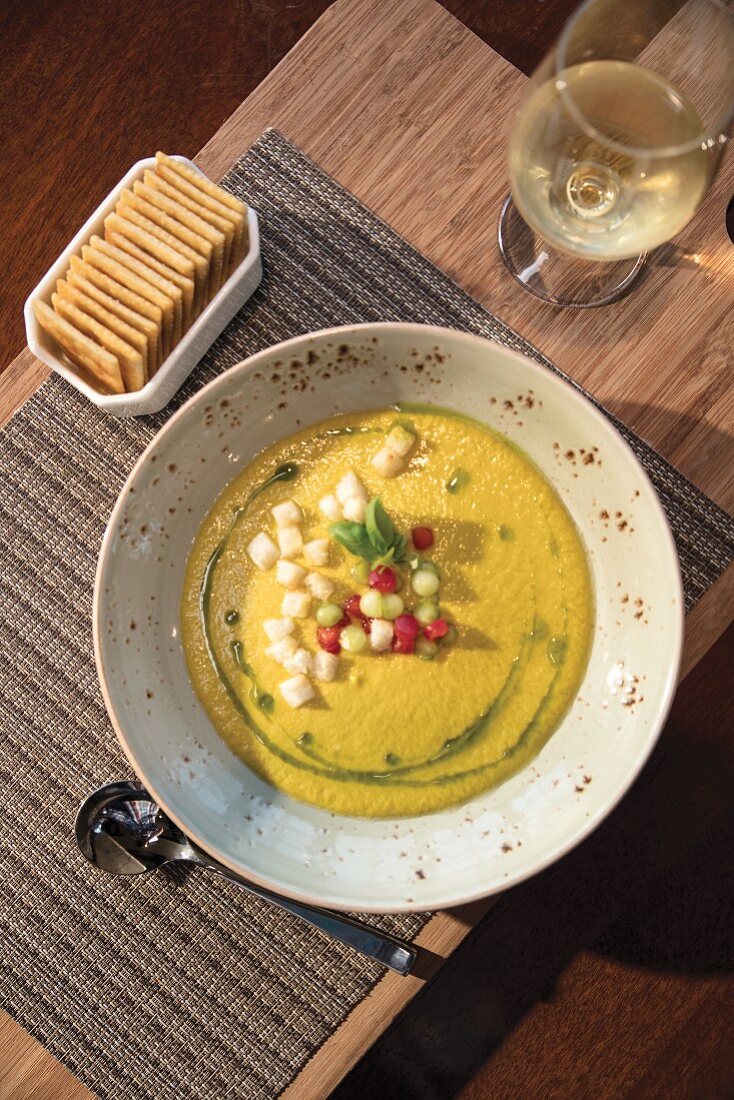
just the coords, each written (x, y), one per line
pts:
(678, 432)
(652, 889)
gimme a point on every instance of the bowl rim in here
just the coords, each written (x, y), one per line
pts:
(586, 826)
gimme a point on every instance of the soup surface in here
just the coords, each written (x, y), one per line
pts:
(410, 722)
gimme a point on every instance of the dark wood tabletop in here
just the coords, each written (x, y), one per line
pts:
(610, 974)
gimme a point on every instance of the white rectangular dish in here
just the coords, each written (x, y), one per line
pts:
(178, 365)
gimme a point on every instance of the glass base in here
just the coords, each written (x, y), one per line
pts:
(556, 277)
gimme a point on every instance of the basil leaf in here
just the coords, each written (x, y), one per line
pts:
(354, 538)
(400, 546)
(376, 540)
(380, 528)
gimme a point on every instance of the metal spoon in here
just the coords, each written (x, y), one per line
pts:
(123, 831)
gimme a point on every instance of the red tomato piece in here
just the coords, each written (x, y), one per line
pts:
(383, 579)
(328, 638)
(408, 626)
(351, 606)
(437, 629)
(422, 538)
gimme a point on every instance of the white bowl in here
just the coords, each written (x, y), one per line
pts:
(440, 859)
(177, 366)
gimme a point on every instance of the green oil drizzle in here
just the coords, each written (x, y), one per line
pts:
(451, 747)
(557, 647)
(469, 735)
(354, 429)
(506, 533)
(287, 472)
(348, 430)
(458, 480)
(261, 699)
(540, 629)
(283, 473)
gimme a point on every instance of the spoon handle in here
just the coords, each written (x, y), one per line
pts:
(388, 950)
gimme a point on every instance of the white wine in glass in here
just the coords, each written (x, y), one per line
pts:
(616, 144)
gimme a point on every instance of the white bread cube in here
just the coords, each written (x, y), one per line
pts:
(319, 586)
(263, 552)
(289, 574)
(283, 650)
(324, 666)
(399, 441)
(355, 508)
(297, 691)
(350, 486)
(296, 605)
(331, 508)
(316, 552)
(301, 661)
(387, 463)
(381, 632)
(278, 629)
(287, 514)
(290, 542)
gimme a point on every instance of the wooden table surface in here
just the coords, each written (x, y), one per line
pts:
(610, 974)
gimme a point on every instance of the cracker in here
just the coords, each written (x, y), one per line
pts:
(116, 290)
(224, 225)
(198, 179)
(144, 271)
(126, 332)
(148, 328)
(188, 227)
(201, 267)
(178, 232)
(123, 234)
(237, 216)
(95, 363)
(130, 360)
(125, 277)
(152, 245)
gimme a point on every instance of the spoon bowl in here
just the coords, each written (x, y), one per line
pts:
(122, 830)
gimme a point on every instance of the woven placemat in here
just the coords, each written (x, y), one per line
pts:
(167, 987)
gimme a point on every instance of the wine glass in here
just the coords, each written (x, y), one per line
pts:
(616, 144)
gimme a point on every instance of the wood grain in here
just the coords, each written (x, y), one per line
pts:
(403, 105)
(28, 1072)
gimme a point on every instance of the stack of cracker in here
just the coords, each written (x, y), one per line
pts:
(172, 242)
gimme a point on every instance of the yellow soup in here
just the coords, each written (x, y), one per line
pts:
(394, 734)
